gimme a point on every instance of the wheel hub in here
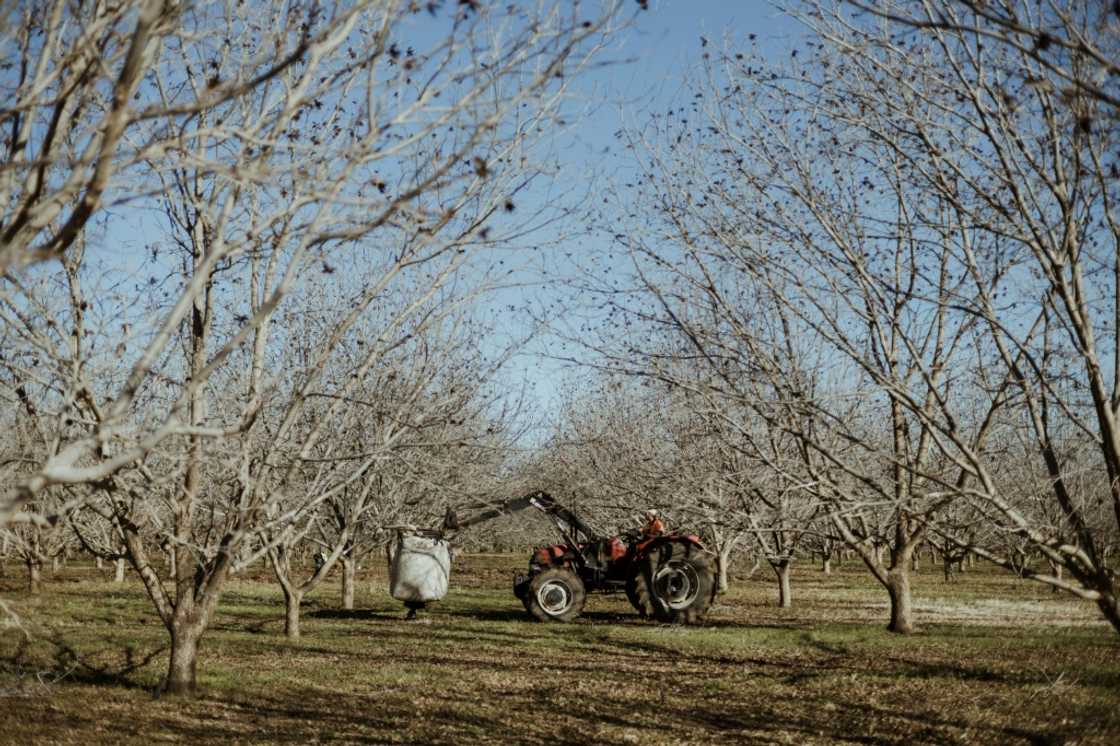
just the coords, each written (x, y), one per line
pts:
(554, 597)
(677, 584)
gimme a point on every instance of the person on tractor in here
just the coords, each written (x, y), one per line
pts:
(652, 524)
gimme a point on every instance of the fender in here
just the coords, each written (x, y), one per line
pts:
(553, 555)
(643, 548)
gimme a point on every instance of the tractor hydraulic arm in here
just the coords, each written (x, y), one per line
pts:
(485, 512)
(540, 500)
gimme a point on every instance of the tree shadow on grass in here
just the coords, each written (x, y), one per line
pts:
(787, 670)
(518, 614)
(908, 668)
(661, 704)
(251, 623)
(458, 715)
(804, 719)
(512, 614)
(930, 721)
(356, 614)
(67, 664)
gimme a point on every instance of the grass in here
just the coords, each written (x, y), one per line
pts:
(997, 661)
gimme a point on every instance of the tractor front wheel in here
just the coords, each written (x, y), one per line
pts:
(678, 579)
(556, 595)
(637, 590)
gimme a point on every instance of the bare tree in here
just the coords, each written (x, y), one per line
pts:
(423, 404)
(366, 170)
(282, 164)
(87, 109)
(1019, 154)
(896, 248)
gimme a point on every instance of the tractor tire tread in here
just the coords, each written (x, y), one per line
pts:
(565, 575)
(684, 551)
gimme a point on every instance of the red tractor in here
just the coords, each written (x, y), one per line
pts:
(667, 576)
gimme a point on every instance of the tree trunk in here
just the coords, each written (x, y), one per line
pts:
(1109, 605)
(895, 578)
(785, 594)
(724, 558)
(181, 678)
(34, 575)
(348, 567)
(898, 587)
(292, 601)
(172, 563)
(55, 564)
(1056, 568)
(118, 575)
(826, 563)
(97, 561)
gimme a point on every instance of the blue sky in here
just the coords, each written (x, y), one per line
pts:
(664, 44)
(650, 60)
(654, 57)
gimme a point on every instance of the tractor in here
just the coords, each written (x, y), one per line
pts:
(666, 576)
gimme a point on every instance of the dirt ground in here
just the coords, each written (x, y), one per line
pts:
(997, 660)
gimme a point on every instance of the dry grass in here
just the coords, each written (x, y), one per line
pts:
(997, 661)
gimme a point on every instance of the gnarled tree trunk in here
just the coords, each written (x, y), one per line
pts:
(895, 578)
(785, 593)
(182, 667)
(34, 575)
(1110, 607)
(898, 588)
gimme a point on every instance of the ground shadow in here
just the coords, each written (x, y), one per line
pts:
(491, 615)
(67, 665)
(311, 713)
(358, 614)
(514, 614)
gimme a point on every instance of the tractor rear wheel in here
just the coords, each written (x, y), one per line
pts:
(637, 590)
(556, 595)
(679, 579)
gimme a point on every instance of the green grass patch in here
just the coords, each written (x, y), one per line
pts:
(996, 660)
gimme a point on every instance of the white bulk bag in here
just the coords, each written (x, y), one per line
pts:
(420, 570)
